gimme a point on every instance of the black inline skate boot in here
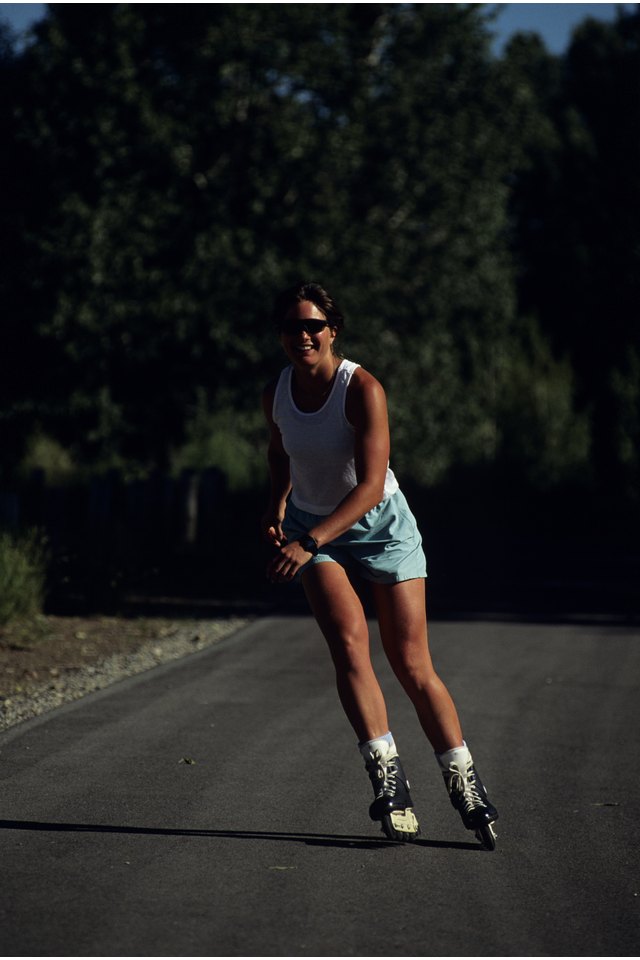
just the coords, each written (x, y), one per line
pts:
(469, 796)
(392, 806)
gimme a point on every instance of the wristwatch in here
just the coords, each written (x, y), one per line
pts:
(308, 543)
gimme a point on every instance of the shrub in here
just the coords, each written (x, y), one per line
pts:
(232, 441)
(45, 453)
(23, 569)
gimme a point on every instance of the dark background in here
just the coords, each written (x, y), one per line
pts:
(167, 169)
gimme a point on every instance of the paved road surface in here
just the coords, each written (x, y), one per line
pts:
(262, 847)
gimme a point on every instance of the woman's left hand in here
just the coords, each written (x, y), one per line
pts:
(289, 559)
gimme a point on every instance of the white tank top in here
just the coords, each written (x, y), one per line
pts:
(320, 445)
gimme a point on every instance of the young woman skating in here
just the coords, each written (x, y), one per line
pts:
(336, 509)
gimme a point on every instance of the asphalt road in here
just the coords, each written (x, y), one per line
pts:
(112, 846)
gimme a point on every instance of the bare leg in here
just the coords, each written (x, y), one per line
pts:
(340, 616)
(402, 618)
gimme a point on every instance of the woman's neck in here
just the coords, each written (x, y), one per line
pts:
(319, 380)
(312, 387)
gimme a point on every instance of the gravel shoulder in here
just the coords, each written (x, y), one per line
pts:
(49, 660)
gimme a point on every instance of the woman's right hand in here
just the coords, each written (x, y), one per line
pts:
(271, 526)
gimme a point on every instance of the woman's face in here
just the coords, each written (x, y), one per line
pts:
(310, 346)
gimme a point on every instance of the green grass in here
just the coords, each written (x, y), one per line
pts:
(23, 570)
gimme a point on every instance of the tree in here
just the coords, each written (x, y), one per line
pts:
(183, 168)
(575, 226)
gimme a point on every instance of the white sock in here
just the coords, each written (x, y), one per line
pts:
(458, 755)
(384, 744)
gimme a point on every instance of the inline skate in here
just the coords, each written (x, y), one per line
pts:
(469, 797)
(392, 806)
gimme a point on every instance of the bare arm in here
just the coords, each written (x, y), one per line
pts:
(279, 474)
(367, 412)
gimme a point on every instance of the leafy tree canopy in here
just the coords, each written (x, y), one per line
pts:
(170, 168)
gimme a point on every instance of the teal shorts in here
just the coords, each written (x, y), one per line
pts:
(385, 546)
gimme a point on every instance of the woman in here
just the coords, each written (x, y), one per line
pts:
(336, 509)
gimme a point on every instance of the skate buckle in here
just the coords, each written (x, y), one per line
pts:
(404, 821)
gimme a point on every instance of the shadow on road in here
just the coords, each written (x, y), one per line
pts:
(310, 839)
(523, 603)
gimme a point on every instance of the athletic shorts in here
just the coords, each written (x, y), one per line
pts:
(385, 546)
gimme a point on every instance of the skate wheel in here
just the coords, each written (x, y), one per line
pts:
(487, 836)
(401, 825)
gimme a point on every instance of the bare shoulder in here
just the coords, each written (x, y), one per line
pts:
(365, 384)
(268, 396)
(270, 389)
(365, 396)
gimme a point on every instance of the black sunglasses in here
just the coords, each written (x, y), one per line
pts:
(293, 327)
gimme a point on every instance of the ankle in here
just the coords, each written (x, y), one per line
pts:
(384, 745)
(458, 755)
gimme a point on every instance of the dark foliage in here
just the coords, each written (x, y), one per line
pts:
(168, 168)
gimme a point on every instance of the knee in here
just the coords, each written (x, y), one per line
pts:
(350, 650)
(414, 671)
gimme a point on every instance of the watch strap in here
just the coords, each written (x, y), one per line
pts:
(309, 543)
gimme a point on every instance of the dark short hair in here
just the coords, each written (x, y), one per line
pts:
(314, 293)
